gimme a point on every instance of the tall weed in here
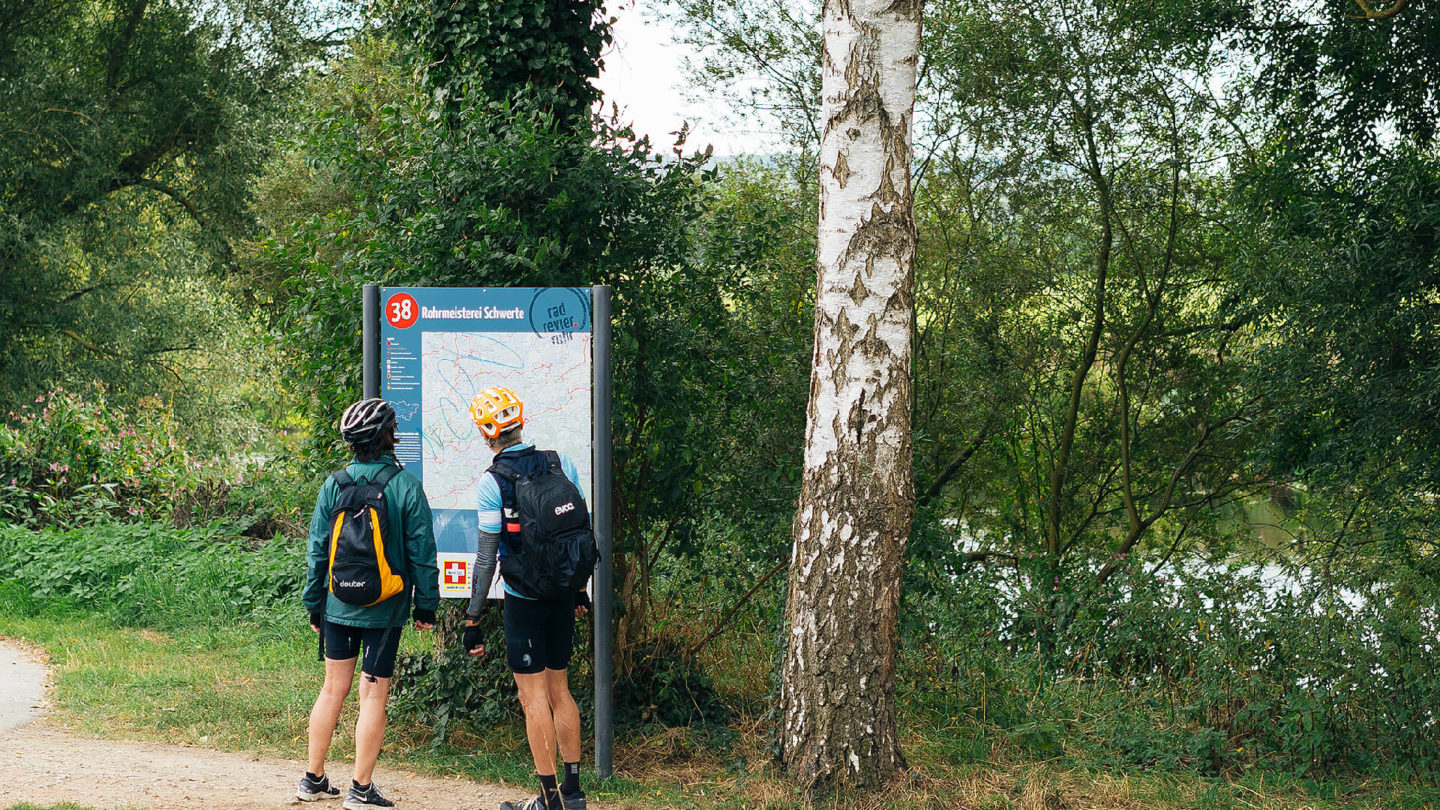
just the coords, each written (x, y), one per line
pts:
(70, 458)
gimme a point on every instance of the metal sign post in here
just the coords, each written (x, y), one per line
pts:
(604, 571)
(370, 340)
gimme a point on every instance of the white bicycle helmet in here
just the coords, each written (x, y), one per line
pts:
(366, 421)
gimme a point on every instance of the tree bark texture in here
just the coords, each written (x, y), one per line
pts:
(857, 498)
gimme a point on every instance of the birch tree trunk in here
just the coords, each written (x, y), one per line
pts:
(857, 498)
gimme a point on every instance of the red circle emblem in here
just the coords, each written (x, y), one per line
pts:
(401, 311)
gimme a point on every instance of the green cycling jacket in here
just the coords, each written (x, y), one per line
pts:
(410, 552)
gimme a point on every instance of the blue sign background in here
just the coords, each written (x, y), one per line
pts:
(463, 340)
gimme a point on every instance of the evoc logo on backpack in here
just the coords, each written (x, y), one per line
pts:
(359, 573)
(556, 551)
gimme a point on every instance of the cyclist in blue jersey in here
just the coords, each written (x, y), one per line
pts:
(539, 633)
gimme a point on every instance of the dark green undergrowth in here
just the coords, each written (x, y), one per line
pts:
(150, 575)
(1212, 670)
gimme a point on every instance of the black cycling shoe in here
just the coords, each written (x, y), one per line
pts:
(573, 801)
(358, 799)
(313, 790)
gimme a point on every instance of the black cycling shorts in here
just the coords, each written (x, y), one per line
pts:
(539, 634)
(343, 642)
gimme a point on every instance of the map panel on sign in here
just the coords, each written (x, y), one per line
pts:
(551, 377)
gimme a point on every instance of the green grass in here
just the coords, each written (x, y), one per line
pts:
(248, 688)
(137, 653)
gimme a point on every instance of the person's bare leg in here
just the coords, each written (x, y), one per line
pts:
(566, 714)
(370, 726)
(539, 725)
(326, 712)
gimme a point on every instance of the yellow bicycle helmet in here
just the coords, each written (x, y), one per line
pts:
(495, 410)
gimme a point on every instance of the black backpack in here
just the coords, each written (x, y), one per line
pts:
(359, 574)
(556, 554)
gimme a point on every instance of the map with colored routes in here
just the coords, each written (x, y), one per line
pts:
(549, 372)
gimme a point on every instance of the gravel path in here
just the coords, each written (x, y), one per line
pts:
(44, 765)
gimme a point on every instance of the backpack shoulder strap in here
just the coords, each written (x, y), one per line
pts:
(505, 470)
(383, 477)
(342, 479)
(552, 459)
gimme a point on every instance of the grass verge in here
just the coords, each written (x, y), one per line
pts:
(249, 688)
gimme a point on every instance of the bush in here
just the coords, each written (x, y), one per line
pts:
(265, 499)
(148, 575)
(447, 686)
(71, 459)
(1215, 669)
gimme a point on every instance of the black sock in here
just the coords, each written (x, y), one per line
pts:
(550, 792)
(313, 777)
(571, 785)
(359, 786)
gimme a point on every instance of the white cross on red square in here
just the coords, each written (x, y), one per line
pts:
(454, 572)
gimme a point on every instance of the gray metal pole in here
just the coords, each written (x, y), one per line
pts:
(370, 339)
(604, 571)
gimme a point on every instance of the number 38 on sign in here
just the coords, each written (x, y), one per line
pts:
(401, 311)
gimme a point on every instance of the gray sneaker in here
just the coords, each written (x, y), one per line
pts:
(532, 803)
(358, 799)
(313, 790)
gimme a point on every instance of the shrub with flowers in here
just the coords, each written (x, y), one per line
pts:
(71, 458)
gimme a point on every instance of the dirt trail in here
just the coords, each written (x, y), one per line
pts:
(45, 765)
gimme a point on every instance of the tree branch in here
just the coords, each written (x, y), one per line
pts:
(953, 467)
(194, 212)
(1371, 14)
(121, 46)
(735, 608)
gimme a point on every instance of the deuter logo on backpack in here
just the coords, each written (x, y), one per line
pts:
(556, 552)
(359, 573)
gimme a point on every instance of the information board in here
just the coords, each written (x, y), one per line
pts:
(439, 348)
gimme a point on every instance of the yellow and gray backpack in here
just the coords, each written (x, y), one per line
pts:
(359, 573)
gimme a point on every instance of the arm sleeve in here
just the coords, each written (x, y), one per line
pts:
(313, 597)
(485, 552)
(420, 549)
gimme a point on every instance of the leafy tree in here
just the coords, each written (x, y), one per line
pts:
(1343, 191)
(764, 58)
(133, 132)
(1344, 72)
(546, 50)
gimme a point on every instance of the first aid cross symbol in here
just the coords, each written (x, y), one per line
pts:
(454, 571)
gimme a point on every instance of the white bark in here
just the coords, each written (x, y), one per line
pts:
(857, 500)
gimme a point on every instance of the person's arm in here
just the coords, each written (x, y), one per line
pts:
(420, 549)
(316, 553)
(489, 507)
(486, 547)
(572, 472)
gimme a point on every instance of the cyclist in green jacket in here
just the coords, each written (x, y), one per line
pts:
(368, 426)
